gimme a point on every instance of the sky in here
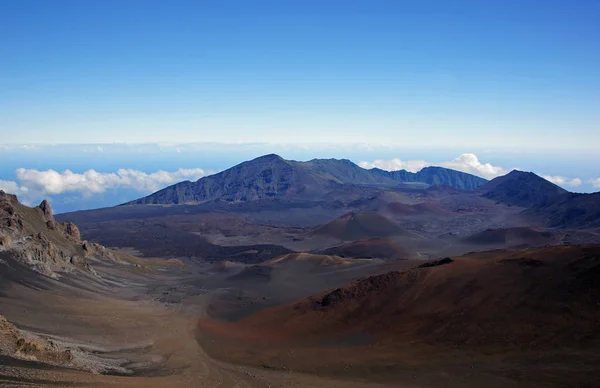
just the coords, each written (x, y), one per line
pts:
(514, 83)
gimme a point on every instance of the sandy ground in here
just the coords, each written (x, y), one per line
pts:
(139, 327)
(124, 325)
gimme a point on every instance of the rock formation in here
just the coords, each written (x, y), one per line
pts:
(32, 237)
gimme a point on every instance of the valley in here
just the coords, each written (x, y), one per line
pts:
(307, 274)
(299, 194)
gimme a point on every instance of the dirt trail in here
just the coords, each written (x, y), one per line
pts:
(157, 340)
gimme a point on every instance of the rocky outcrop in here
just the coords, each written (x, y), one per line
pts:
(33, 237)
(71, 230)
(39, 253)
(47, 214)
(29, 346)
(46, 210)
(95, 249)
(8, 217)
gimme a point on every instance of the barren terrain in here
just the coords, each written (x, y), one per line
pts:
(316, 280)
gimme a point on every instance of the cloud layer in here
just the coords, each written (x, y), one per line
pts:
(563, 181)
(31, 185)
(468, 163)
(35, 182)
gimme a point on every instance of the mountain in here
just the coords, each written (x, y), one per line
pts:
(434, 176)
(271, 176)
(267, 176)
(524, 189)
(549, 204)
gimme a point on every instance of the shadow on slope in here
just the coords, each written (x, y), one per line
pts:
(538, 306)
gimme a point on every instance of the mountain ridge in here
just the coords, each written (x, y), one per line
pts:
(271, 176)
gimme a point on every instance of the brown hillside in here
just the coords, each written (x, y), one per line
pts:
(535, 298)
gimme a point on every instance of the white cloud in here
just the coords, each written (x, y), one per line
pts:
(12, 187)
(471, 164)
(93, 182)
(395, 164)
(563, 181)
(468, 163)
(21, 192)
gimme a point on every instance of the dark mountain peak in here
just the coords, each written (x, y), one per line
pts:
(521, 188)
(516, 172)
(266, 158)
(523, 177)
(259, 163)
(267, 176)
(271, 176)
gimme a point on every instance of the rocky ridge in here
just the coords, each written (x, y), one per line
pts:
(33, 237)
(271, 176)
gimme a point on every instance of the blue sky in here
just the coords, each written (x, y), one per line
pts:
(514, 82)
(421, 73)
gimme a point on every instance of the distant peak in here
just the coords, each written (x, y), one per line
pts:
(520, 172)
(269, 157)
(527, 175)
